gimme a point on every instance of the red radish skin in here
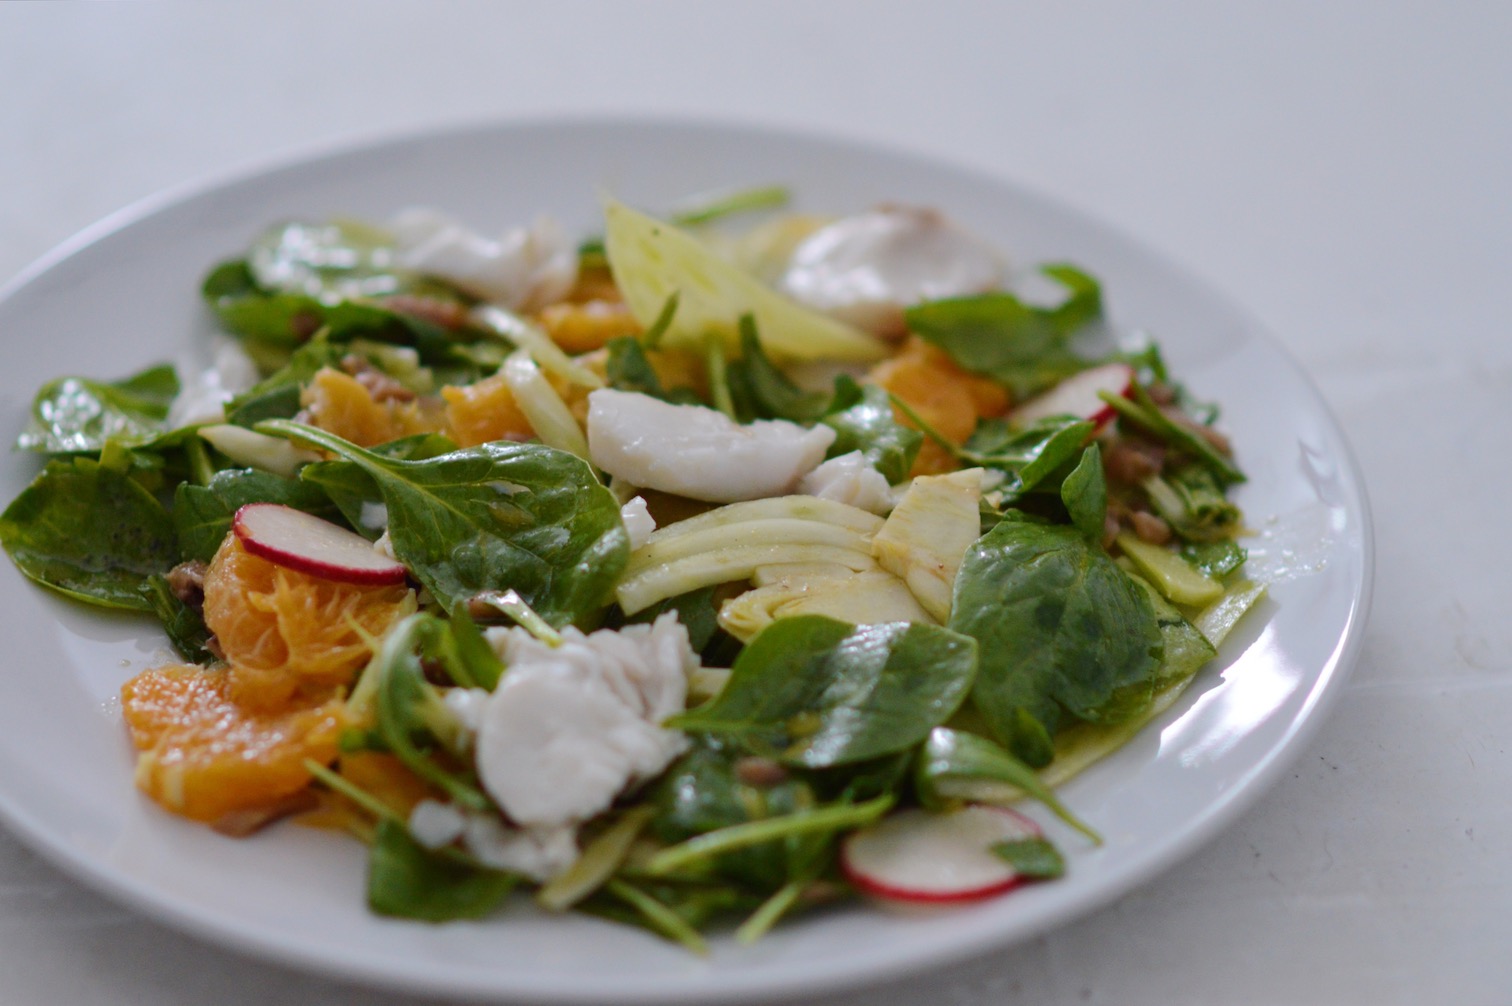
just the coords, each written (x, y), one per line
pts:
(918, 857)
(1080, 395)
(303, 542)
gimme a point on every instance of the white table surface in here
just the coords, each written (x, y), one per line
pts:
(1343, 170)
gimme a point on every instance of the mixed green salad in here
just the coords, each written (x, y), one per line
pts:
(699, 570)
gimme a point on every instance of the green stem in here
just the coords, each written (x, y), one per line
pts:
(652, 337)
(766, 197)
(356, 794)
(661, 918)
(719, 376)
(741, 836)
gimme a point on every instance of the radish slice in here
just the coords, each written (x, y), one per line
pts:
(297, 540)
(919, 856)
(1078, 395)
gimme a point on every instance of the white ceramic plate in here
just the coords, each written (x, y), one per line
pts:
(125, 293)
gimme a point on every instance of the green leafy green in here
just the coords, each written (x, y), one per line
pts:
(862, 417)
(202, 514)
(952, 761)
(701, 792)
(1061, 631)
(762, 391)
(816, 692)
(1035, 858)
(1192, 502)
(184, 623)
(91, 532)
(277, 395)
(1143, 413)
(497, 516)
(1027, 455)
(1217, 559)
(76, 415)
(413, 720)
(1085, 494)
(1020, 345)
(629, 369)
(408, 881)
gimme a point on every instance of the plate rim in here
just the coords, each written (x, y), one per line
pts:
(1322, 693)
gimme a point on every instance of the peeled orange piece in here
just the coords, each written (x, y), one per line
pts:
(484, 411)
(207, 758)
(946, 397)
(287, 633)
(338, 403)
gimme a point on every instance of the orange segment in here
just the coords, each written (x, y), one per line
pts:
(339, 404)
(946, 397)
(285, 632)
(582, 328)
(206, 758)
(485, 411)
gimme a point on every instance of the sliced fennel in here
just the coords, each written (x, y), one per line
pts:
(928, 533)
(733, 542)
(651, 260)
(871, 597)
(548, 415)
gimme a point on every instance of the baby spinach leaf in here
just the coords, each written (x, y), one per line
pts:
(184, 624)
(90, 532)
(1216, 559)
(497, 516)
(1028, 455)
(702, 792)
(951, 758)
(1022, 346)
(1034, 858)
(408, 881)
(1061, 630)
(202, 514)
(1184, 650)
(76, 415)
(277, 395)
(1085, 493)
(816, 692)
(863, 420)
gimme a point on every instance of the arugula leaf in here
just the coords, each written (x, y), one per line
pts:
(816, 692)
(629, 369)
(762, 391)
(497, 516)
(408, 881)
(863, 420)
(412, 717)
(91, 532)
(1022, 346)
(1061, 631)
(78, 415)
